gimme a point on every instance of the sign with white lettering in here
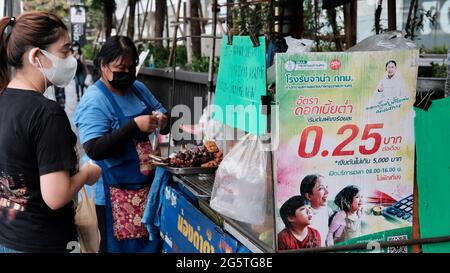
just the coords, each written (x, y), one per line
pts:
(187, 230)
(78, 22)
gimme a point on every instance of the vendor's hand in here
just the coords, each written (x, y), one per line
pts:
(162, 119)
(380, 88)
(146, 123)
(93, 171)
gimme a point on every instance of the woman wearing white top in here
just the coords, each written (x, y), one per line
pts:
(314, 189)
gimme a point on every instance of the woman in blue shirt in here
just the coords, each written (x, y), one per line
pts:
(114, 118)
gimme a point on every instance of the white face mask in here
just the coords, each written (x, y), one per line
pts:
(62, 70)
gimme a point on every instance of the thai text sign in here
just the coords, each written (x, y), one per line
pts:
(347, 146)
(240, 84)
(186, 230)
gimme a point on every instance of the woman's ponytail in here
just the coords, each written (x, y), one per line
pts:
(4, 73)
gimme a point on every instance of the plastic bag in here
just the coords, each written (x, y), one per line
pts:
(87, 225)
(88, 80)
(392, 40)
(240, 186)
(211, 129)
(298, 45)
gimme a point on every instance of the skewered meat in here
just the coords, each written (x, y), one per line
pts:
(197, 157)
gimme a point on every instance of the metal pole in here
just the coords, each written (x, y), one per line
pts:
(213, 53)
(365, 246)
(187, 29)
(141, 33)
(167, 25)
(139, 21)
(174, 42)
(447, 82)
(121, 20)
(173, 9)
(9, 8)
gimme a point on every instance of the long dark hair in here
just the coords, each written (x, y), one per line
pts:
(344, 198)
(308, 183)
(33, 29)
(114, 48)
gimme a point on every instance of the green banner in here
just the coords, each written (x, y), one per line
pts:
(432, 130)
(240, 84)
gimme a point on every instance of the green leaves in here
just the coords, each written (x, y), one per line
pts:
(57, 7)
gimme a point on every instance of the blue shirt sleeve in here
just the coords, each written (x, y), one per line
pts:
(154, 103)
(94, 115)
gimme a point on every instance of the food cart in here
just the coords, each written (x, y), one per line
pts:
(385, 151)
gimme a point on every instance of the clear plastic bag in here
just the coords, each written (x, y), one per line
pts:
(88, 80)
(240, 186)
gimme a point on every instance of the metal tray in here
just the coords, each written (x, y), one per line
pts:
(190, 170)
(200, 185)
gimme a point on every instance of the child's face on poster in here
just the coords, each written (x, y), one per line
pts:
(356, 203)
(303, 216)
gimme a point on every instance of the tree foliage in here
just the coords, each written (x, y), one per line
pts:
(94, 14)
(57, 7)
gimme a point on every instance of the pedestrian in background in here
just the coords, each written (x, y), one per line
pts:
(82, 71)
(60, 96)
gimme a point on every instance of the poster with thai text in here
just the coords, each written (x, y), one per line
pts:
(345, 162)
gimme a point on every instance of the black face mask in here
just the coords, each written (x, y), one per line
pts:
(123, 80)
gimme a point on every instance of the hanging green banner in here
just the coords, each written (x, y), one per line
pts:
(432, 131)
(240, 84)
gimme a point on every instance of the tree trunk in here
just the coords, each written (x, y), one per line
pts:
(415, 18)
(409, 19)
(195, 29)
(350, 13)
(298, 25)
(332, 17)
(316, 23)
(131, 14)
(378, 16)
(108, 7)
(392, 15)
(160, 14)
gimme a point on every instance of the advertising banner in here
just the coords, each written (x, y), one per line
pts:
(187, 230)
(345, 164)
